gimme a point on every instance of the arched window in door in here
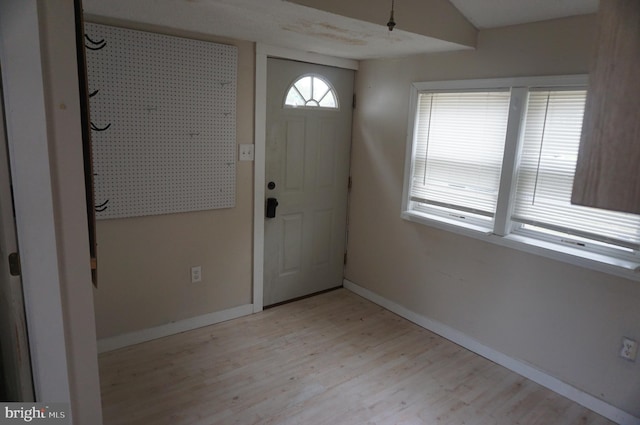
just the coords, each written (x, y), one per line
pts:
(311, 91)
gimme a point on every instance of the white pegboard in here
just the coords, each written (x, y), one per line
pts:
(171, 106)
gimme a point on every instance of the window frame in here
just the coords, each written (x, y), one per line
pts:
(504, 230)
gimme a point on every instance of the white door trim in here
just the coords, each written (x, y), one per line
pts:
(21, 386)
(262, 53)
(20, 53)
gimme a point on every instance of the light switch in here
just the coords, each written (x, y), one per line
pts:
(245, 152)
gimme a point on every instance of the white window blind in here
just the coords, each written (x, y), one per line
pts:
(545, 173)
(459, 145)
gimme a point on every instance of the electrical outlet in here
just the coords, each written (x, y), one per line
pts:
(245, 152)
(196, 274)
(629, 349)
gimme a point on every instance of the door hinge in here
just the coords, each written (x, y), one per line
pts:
(350, 183)
(14, 264)
(345, 258)
(353, 104)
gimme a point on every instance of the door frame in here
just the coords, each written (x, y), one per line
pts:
(42, 108)
(263, 52)
(29, 155)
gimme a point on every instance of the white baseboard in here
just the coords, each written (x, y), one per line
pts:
(528, 371)
(132, 338)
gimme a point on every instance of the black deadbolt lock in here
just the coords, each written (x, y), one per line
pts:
(271, 185)
(272, 203)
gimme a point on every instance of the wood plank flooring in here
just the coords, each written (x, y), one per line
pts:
(331, 359)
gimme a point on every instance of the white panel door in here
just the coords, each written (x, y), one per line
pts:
(15, 366)
(307, 172)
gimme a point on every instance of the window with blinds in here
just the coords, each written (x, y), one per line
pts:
(459, 144)
(549, 151)
(495, 159)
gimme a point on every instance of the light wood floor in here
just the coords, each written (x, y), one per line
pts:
(331, 359)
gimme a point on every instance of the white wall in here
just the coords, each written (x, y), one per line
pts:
(564, 320)
(144, 263)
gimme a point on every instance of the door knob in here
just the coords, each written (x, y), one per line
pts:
(272, 203)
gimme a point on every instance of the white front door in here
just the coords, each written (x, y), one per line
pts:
(15, 365)
(307, 173)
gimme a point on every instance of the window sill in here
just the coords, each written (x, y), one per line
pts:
(598, 262)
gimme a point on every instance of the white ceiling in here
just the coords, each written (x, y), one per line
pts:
(500, 13)
(274, 22)
(286, 24)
